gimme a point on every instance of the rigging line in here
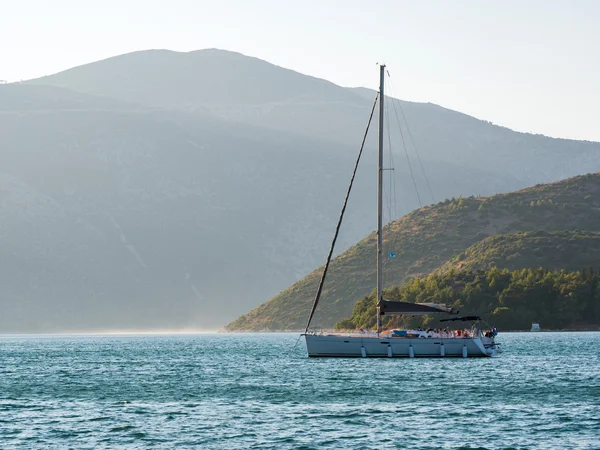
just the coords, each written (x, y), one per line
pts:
(387, 202)
(383, 230)
(391, 201)
(391, 167)
(394, 99)
(339, 224)
(412, 175)
(394, 199)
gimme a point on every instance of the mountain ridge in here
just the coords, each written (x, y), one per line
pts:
(166, 67)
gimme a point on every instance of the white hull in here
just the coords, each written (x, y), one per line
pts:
(379, 347)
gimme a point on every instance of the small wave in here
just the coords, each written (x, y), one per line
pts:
(122, 428)
(99, 419)
(138, 434)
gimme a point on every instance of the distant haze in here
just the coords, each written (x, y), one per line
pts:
(162, 190)
(531, 66)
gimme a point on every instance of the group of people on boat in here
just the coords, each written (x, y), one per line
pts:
(446, 333)
(442, 333)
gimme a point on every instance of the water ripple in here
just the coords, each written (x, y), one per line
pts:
(252, 391)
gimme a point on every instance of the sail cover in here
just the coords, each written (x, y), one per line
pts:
(464, 319)
(389, 307)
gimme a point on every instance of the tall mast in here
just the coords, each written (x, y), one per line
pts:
(380, 200)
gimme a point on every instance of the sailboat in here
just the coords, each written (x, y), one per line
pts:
(465, 343)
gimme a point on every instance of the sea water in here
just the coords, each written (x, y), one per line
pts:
(259, 391)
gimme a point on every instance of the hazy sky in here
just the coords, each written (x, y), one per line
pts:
(531, 65)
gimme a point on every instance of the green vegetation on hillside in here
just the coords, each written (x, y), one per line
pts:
(442, 234)
(510, 299)
(569, 250)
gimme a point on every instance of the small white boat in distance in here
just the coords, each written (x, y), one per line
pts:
(535, 327)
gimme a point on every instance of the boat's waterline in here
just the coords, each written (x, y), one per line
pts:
(380, 347)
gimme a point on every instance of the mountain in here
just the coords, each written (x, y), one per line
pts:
(23, 98)
(238, 88)
(454, 232)
(117, 218)
(171, 190)
(188, 80)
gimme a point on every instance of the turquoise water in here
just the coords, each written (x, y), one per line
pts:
(254, 391)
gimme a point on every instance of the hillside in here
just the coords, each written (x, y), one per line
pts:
(119, 218)
(555, 250)
(23, 98)
(116, 214)
(428, 238)
(512, 300)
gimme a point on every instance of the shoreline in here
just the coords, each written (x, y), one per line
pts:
(543, 330)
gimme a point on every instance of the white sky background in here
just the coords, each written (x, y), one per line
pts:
(531, 65)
